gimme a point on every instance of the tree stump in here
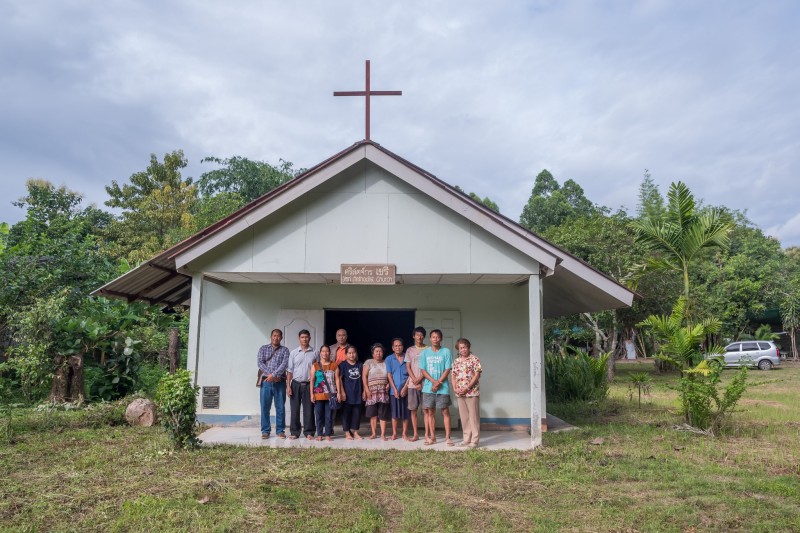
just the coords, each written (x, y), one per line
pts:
(68, 382)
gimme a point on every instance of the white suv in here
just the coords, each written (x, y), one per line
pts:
(761, 354)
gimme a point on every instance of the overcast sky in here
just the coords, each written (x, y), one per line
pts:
(493, 92)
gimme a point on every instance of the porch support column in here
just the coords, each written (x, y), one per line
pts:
(536, 359)
(195, 317)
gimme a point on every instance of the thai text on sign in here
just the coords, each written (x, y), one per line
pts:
(368, 274)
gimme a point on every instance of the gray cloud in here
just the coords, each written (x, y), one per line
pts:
(597, 92)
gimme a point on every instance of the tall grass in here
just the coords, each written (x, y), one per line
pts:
(575, 377)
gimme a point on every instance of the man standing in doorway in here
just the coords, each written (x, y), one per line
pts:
(415, 377)
(339, 350)
(435, 364)
(272, 361)
(298, 375)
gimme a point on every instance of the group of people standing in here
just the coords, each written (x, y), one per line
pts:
(382, 388)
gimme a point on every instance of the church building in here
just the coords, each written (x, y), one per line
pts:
(369, 242)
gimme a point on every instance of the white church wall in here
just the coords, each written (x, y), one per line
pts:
(365, 215)
(237, 319)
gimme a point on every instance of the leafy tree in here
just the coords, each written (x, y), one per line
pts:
(550, 204)
(682, 234)
(485, 201)
(100, 329)
(740, 283)
(3, 236)
(246, 178)
(651, 203)
(607, 242)
(54, 248)
(51, 264)
(210, 209)
(156, 209)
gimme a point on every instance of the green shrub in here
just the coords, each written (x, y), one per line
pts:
(150, 375)
(177, 405)
(576, 377)
(701, 403)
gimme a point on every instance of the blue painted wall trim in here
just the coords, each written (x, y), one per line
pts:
(229, 420)
(507, 421)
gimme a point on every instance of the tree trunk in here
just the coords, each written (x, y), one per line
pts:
(174, 350)
(611, 366)
(793, 340)
(68, 383)
(59, 390)
(77, 392)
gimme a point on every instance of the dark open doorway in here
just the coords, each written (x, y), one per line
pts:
(368, 326)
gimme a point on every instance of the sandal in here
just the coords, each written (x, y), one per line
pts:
(449, 442)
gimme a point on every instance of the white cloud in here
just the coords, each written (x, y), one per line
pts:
(492, 94)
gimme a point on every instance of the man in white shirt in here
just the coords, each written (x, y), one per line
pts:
(298, 375)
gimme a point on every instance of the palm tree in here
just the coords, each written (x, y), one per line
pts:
(682, 233)
(790, 316)
(680, 342)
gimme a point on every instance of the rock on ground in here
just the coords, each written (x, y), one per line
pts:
(141, 412)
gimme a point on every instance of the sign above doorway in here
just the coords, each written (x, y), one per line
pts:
(368, 274)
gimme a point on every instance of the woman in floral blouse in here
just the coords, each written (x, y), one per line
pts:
(464, 380)
(376, 390)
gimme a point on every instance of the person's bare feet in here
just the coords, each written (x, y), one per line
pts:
(373, 436)
(319, 438)
(394, 437)
(356, 436)
(383, 437)
(328, 438)
(348, 436)
(309, 437)
(415, 438)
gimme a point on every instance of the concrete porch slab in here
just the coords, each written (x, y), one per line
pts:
(490, 440)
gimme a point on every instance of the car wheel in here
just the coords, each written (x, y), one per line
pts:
(765, 364)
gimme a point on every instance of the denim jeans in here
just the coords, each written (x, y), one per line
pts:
(276, 391)
(324, 416)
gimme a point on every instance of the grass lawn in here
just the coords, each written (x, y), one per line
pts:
(67, 471)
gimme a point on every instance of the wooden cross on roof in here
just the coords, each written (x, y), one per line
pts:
(367, 93)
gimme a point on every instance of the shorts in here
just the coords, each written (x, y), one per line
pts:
(435, 401)
(414, 399)
(381, 410)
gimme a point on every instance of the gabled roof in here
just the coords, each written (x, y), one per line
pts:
(165, 278)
